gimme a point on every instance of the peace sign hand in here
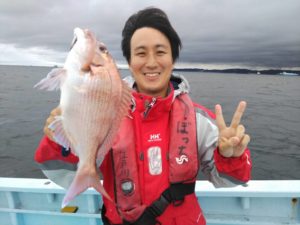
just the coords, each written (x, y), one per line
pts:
(232, 140)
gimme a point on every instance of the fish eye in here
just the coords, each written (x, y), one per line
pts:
(103, 49)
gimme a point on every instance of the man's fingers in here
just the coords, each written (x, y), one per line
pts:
(226, 146)
(240, 131)
(245, 141)
(49, 120)
(236, 119)
(55, 112)
(219, 117)
(234, 141)
(49, 133)
(48, 130)
(242, 146)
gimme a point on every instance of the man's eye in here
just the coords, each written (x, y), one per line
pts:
(161, 52)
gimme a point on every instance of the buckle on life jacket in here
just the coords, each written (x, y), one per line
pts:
(174, 194)
(159, 206)
(65, 152)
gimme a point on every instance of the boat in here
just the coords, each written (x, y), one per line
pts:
(27, 201)
(289, 74)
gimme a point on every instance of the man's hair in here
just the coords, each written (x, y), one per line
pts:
(153, 18)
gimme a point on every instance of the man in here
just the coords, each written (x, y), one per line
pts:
(151, 169)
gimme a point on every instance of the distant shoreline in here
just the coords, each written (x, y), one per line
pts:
(236, 70)
(242, 71)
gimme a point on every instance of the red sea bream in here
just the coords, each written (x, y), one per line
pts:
(93, 102)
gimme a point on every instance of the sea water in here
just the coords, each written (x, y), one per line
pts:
(272, 117)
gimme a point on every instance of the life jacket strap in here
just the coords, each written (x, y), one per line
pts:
(174, 194)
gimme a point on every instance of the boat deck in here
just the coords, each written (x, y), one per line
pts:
(37, 201)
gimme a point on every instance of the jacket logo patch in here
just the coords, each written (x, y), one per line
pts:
(155, 161)
(182, 159)
(154, 137)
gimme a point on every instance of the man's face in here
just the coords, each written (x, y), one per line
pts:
(151, 61)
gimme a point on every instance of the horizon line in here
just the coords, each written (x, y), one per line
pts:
(180, 66)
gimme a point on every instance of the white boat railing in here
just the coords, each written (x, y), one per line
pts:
(25, 201)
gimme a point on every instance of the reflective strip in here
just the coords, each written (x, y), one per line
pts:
(59, 172)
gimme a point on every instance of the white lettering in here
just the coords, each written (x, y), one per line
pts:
(154, 137)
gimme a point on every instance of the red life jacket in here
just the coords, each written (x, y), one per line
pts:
(182, 157)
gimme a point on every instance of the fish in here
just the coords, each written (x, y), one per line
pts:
(93, 101)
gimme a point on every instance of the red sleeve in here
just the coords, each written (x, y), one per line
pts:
(238, 168)
(49, 150)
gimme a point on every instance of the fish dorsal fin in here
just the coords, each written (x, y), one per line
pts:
(53, 80)
(59, 135)
(122, 111)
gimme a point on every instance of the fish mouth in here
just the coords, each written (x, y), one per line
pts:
(95, 53)
(73, 42)
(78, 33)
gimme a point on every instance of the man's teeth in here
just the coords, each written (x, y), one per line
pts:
(152, 74)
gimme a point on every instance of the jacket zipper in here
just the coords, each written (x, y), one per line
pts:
(149, 106)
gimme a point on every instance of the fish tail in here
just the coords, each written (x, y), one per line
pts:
(81, 182)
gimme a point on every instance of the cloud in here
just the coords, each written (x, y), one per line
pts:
(249, 32)
(35, 56)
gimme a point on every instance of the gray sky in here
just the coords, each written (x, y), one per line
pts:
(215, 33)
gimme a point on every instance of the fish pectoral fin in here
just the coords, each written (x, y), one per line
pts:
(59, 135)
(53, 80)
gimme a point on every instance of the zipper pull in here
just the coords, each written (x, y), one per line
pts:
(141, 156)
(151, 104)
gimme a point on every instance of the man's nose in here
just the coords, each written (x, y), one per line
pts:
(151, 61)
